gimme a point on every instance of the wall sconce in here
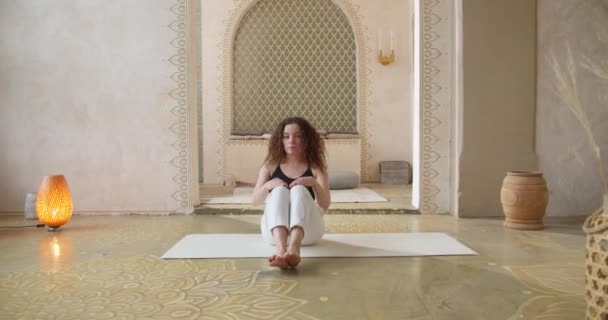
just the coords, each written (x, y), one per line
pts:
(386, 60)
(54, 202)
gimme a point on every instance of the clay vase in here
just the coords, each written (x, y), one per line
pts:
(524, 197)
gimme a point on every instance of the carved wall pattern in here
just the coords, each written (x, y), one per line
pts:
(293, 57)
(435, 100)
(180, 112)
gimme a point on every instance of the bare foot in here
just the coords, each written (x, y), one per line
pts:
(293, 259)
(278, 261)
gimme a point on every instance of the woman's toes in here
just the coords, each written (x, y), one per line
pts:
(278, 261)
(293, 259)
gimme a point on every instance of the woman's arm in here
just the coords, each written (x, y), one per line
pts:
(321, 188)
(259, 192)
(264, 185)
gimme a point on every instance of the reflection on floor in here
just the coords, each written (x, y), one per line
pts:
(108, 267)
(399, 196)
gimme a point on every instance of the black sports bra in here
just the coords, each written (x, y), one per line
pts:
(278, 173)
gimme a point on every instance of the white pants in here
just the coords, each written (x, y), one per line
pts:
(290, 208)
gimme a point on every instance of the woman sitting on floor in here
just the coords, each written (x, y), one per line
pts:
(295, 174)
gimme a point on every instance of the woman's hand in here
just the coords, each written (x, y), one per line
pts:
(276, 182)
(304, 181)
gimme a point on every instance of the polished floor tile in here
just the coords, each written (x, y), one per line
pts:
(100, 267)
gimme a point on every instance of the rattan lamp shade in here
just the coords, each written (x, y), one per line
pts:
(54, 202)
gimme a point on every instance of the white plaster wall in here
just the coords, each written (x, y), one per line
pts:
(84, 91)
(390, 124)
(213, 15)
(456, 104)
(343, 155)
(573, 44)
(389, 108)
(498, 103)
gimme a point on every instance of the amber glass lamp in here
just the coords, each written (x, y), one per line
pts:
(54, 202)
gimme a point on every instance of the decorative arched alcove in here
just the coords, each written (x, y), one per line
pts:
(231, 146)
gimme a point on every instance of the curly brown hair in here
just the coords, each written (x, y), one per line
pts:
(314, 146)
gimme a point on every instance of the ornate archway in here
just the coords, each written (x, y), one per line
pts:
(435, 46)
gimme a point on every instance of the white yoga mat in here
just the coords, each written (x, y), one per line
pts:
(242, 195)
(196, 246)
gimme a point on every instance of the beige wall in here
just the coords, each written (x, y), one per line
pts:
(573, 45)
(498, 103)
(244, 160)
(91, 89)
(388, 117)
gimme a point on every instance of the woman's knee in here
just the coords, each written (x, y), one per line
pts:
(279, 189)
(298, 188)
(299, 191)
(279, 193)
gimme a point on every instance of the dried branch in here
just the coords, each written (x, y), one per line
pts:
(565, 87)
(596, 68)
(600, 69)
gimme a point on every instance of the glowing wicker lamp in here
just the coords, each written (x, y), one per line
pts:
(54, 202)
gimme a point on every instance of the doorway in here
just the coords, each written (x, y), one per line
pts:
(431, 85)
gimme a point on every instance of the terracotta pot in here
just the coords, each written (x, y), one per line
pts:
(524, 197)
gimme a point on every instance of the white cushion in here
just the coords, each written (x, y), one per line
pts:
(343, 180)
